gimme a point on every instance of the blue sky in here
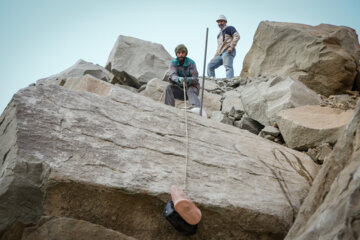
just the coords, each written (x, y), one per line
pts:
(39, 38)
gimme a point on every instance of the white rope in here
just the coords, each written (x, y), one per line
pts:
(186, 137)
(162, 94)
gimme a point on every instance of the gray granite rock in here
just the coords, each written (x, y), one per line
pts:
(262, 100)
(232, 100)
(70, 153)
(324, 57)
(134, 62)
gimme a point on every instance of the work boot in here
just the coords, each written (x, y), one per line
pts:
(184, 206)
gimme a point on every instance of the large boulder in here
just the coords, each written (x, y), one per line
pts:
(110, 160)
(135, 62)
(310, 126)
(79, 69)
(262, 100)
(323, 57)
(155, 89)
(332, 208)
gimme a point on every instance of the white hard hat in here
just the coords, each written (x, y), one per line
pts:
(221, 17)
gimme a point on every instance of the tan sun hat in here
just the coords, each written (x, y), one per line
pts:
(221, 17)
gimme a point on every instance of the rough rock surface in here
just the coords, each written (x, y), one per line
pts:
(132, 89)
(342, 101)
(79, 69)
(111, 160)
(262, 100)
(219, 116)
(323, 57)
(210, 85)
(63, 228)
(88, 83)
(332, 208)
(135, 62)
(232, 100)
(155, 90)
(309, 126)
(320, 153)
(221, 85)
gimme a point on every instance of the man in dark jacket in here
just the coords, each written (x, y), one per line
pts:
(182, 69)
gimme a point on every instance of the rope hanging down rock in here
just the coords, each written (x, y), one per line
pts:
(186, 136)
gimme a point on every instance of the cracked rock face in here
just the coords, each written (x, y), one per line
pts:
(324, 57)
(110, 160)
(332, 208)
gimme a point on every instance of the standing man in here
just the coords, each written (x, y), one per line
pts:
(225, 53)
(182, 68)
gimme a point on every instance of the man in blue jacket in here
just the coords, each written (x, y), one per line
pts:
(225, 53)
(182, 69)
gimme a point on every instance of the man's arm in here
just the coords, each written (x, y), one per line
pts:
(194, 79)
(235, 37)
(193, 72)
(173, 72)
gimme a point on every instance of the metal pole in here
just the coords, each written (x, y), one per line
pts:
(203, 81)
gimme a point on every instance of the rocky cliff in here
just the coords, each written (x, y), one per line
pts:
(91, 153)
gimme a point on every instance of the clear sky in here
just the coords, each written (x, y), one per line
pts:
(39, 38)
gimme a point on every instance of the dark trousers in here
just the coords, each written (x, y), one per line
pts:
(173, 91)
